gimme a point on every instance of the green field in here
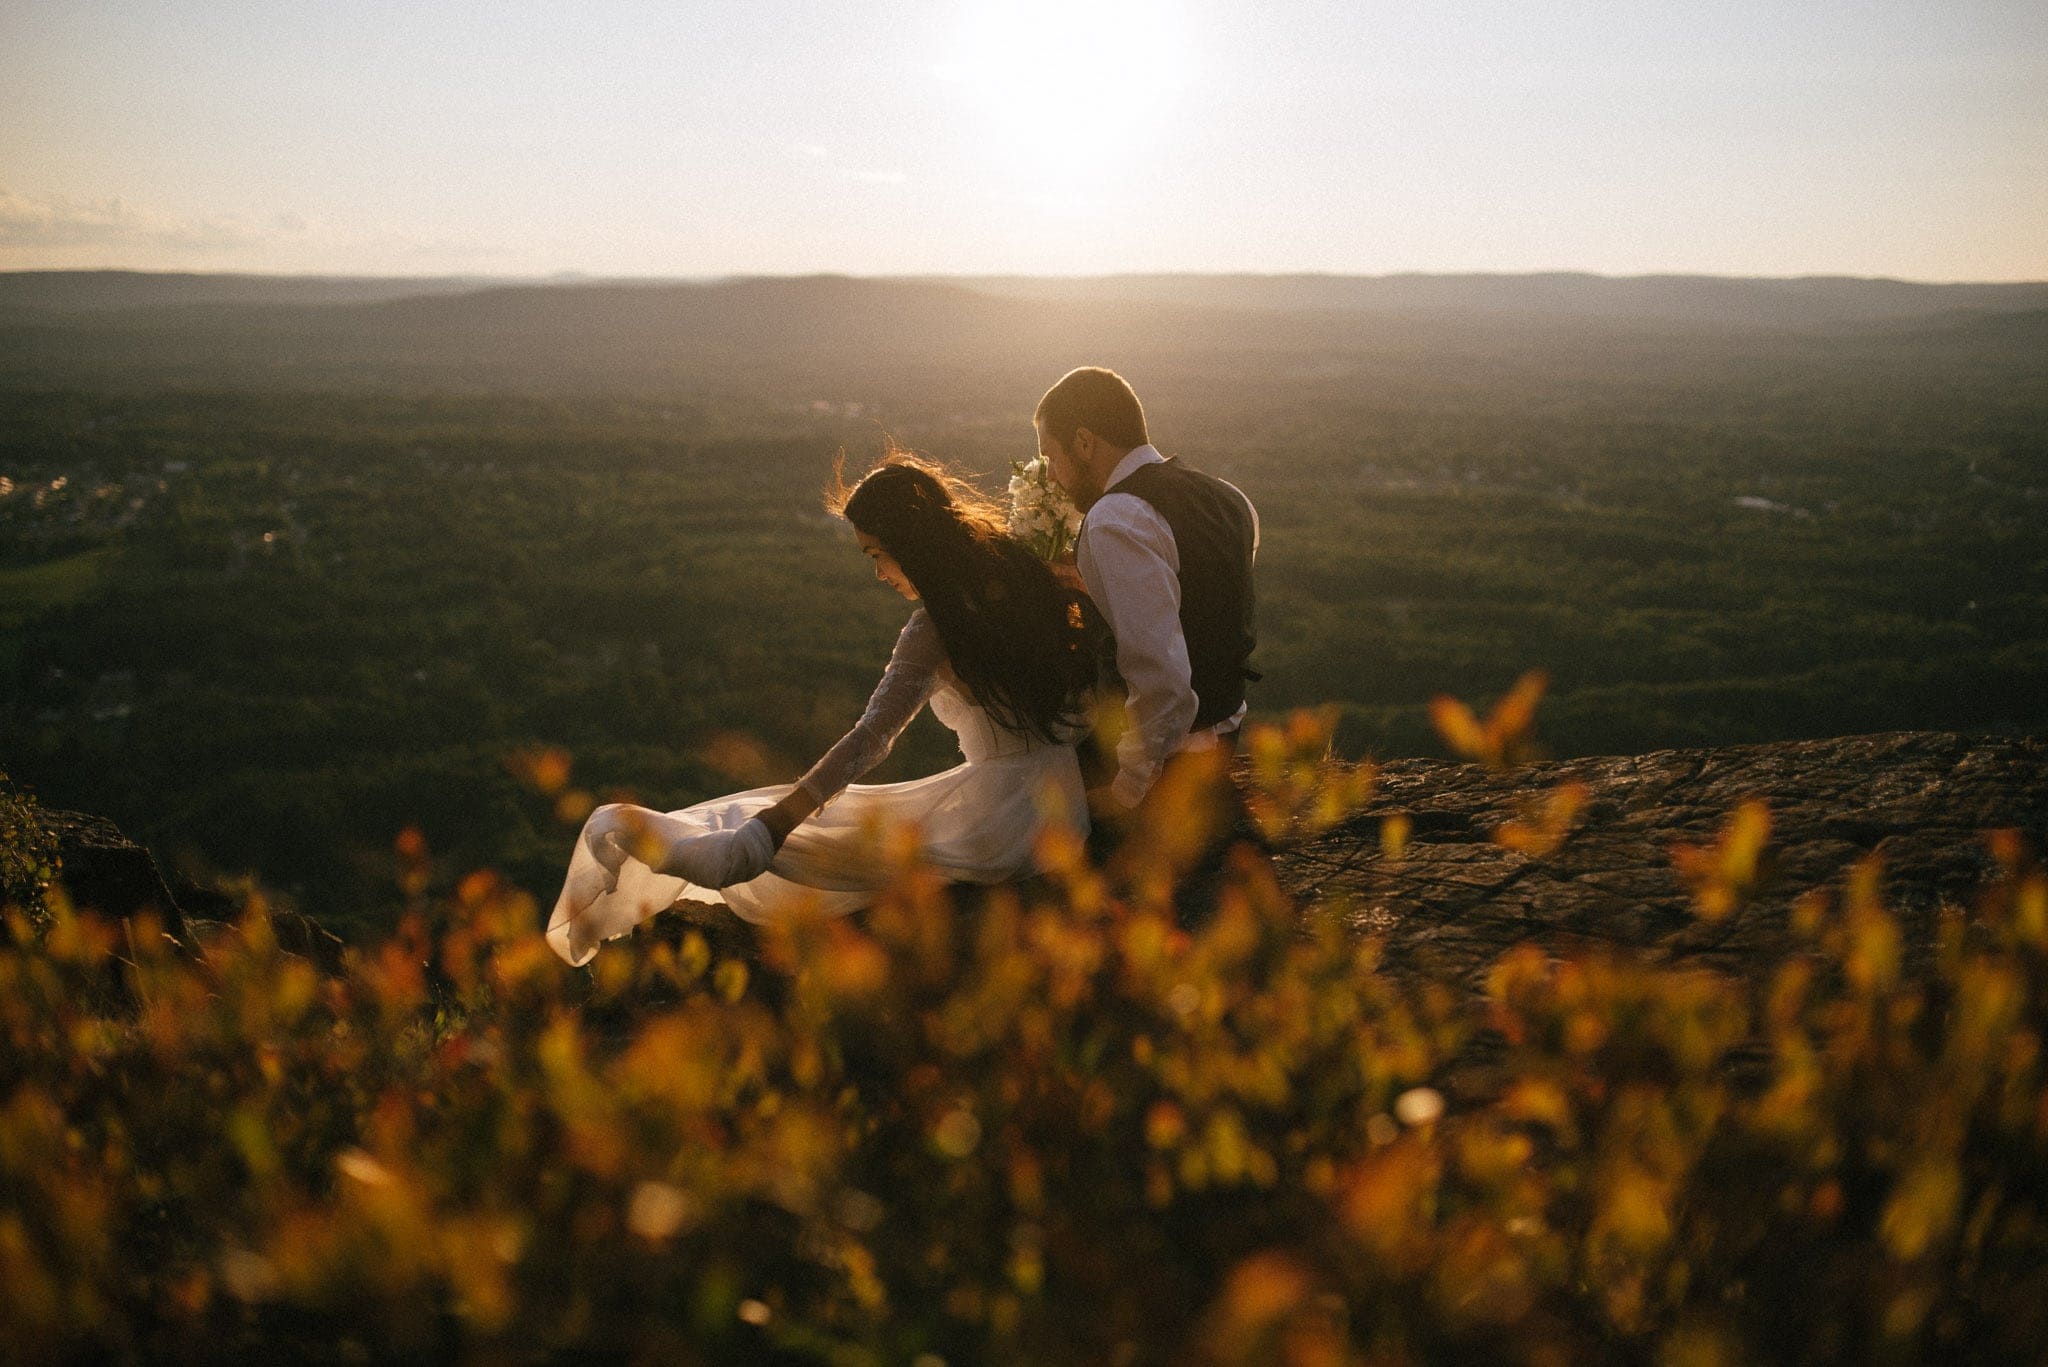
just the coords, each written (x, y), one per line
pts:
(28, 591)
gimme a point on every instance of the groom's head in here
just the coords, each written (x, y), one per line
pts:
(1087, 423)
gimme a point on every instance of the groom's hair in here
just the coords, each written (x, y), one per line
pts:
(1097, 399)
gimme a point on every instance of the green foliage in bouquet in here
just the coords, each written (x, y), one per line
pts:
(1043, 1125)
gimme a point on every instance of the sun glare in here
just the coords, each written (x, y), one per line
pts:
(1066, 88)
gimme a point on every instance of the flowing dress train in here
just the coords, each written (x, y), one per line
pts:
(977, 822)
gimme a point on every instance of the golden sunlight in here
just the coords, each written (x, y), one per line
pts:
(1067, 87)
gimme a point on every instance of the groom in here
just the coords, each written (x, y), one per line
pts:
(1166, 553)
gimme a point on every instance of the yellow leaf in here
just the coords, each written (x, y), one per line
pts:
(1459, 728)
(1922, 1209)
(1742, 841)
(1544, 826)
(1514, 714)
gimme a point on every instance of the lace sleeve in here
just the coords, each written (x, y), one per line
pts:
(906, 685)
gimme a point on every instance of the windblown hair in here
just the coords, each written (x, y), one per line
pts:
(1095, 398)
(1015, 635)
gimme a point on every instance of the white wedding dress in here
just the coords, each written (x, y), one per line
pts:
(977, 822)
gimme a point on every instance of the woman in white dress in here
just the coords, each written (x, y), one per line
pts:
(997, 647)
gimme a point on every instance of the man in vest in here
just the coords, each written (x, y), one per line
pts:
(1166, 553)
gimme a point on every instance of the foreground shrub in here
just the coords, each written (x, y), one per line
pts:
(1047, 1127)
(29, 861)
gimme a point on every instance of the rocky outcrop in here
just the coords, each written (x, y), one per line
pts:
(104, 871)
(1455, 899)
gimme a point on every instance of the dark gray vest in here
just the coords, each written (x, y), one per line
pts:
(1212, 530)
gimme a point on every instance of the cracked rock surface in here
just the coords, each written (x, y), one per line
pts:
(1455, 900)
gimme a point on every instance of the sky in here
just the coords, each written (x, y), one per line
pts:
(1904, 138)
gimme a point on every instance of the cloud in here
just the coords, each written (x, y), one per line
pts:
(54, 221)
(43, 229)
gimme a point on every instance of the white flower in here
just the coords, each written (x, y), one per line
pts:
(1041, 514)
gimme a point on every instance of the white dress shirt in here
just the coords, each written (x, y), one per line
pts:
(1131, 565)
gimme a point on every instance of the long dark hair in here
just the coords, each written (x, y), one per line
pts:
(1016, 636)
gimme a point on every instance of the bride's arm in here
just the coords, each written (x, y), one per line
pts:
(904, 689)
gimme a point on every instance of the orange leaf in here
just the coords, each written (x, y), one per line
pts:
(1514, 714)
(1459, 728)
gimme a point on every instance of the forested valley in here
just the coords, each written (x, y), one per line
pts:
(280, 579)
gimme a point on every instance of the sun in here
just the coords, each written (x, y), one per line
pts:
(1066, 88)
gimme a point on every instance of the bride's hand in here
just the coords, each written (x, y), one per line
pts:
(718, 859)
(611, 857)
(786, 815)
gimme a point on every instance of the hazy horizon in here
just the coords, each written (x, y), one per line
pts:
(987, 137)
(580, 277)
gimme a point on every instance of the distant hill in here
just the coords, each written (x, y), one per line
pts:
(1801, 302)
(1798, 302)
(792, 308)
(92, 291)
(121, 327)
(2029, 325)
(609, 332)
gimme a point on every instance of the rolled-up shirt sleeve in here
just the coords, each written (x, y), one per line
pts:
(905, 687)
(1128, 560)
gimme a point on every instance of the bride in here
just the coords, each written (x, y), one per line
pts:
(998, 649)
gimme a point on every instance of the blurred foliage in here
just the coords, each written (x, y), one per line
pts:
(1043, 1125)
(1505, 738)
(29, 861)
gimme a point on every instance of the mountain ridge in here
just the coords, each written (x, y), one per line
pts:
(1793, 301)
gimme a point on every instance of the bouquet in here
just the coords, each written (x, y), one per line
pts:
(1041, 514)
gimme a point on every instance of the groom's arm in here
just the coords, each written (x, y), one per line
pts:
(1128, 559)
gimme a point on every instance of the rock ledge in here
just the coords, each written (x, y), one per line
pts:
(1456, 900)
